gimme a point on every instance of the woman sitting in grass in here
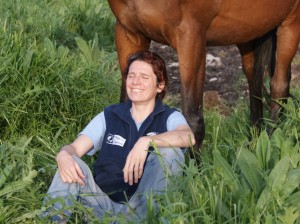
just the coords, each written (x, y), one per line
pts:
(139, 145)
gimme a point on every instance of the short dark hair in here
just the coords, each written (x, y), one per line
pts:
(158, 66)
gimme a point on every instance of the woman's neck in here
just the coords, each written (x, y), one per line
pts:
(140, 111)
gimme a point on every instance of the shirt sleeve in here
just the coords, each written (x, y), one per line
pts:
(174, 120)
(95, 130)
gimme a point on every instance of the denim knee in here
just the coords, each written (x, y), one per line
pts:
(171, 158)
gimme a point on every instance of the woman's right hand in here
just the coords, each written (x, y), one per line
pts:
(69, 170)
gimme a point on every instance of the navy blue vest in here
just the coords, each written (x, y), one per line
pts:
(120, 136)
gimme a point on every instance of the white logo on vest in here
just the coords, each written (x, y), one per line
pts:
(152, 133)
(115, 140)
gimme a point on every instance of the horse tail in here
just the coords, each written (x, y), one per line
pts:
(265, 58)
(265, 53)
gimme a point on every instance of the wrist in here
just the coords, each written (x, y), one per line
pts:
(64, 151)
(147, 140)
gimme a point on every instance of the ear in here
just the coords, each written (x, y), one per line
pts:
(160, 86)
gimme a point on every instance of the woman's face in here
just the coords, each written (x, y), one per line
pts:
(141, 82)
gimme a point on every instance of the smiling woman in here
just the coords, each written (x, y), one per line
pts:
(134, 139)
(141, 84)
(158, 67)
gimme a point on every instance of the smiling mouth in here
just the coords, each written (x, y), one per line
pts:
(136, 90)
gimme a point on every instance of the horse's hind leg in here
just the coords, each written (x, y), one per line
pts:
(247, 51)
(288, 36)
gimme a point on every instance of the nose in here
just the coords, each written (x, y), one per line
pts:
(136, 80)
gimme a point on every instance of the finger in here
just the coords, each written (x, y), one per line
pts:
(80, 176)
(136, 173)
(125, 172)
(79, 172)
(63, 176)
(67, 179)
(130, 174)
(141, 169)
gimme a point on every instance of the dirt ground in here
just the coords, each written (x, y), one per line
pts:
(225, 82)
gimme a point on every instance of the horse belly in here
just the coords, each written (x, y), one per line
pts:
(157, 23)
(238, 23)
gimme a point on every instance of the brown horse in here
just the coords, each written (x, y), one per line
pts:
(190, 25)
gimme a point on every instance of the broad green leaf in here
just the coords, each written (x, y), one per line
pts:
(275, 182)
(63, 53)
(27, 59)
(223, 209)
(277, 138)
(95, 49)
(263, 150)
(8, 59)
(277, 142)
(5, 173)
(294, 200)
(85, 49)
(289, 216)
(98, 8)
(277, 176)
(224, 169)
(292, 182)
(250, 170)
(264, 198)
(50, 48)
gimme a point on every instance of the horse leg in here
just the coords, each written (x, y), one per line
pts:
(247, 51)
(288, 36)
(127, 43)
(191, 52)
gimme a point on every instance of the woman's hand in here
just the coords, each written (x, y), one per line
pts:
(68, 169)
(135, 161)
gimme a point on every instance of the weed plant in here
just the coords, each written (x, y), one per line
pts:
(58, 69)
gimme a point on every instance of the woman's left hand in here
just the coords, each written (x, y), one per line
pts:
(135, 161)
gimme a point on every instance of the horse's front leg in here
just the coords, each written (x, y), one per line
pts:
(191, 50)
(127, 43)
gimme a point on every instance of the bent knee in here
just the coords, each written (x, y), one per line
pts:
(172, 156)
(83, 166)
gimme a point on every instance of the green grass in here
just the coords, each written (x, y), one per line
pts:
(58, 69)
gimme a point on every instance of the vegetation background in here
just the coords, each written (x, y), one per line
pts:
(58, 69)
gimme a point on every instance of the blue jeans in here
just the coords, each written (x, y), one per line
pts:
(159, 166)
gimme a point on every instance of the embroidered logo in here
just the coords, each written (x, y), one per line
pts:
(115, 140)
(152, 133)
